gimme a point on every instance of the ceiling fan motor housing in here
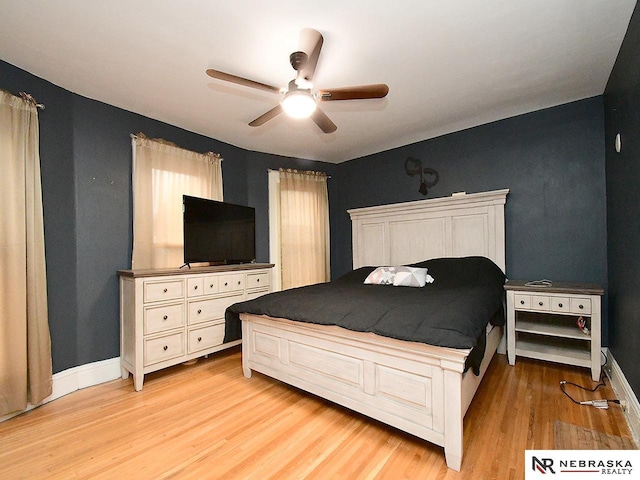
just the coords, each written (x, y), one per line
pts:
(298, 60)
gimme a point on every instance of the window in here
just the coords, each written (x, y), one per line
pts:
(299, 227)
(162, 173)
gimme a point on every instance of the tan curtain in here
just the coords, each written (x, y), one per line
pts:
(304, 228)
(25, 343)
(162, 173)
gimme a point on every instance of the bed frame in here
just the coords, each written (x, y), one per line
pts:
(418, 388)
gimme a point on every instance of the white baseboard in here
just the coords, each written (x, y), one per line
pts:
(76, 378)
(624, 393)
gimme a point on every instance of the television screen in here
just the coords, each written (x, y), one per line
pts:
(217, 232)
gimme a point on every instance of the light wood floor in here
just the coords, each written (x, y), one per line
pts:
(207, 421)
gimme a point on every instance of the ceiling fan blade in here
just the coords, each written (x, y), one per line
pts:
(324, 122)
(310, 43)
(227, 77)
(377, 90)
(265, 117)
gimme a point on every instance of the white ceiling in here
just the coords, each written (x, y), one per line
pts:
(449, 65)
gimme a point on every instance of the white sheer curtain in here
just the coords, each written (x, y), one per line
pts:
(162, 173)
(304, 228)
(25, 343)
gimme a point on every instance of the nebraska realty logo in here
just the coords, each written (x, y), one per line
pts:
(581, 464)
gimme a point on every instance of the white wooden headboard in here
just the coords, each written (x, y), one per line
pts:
(457, 226)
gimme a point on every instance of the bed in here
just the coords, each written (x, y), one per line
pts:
(421, 388)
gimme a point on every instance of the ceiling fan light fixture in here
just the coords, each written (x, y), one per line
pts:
(299, 103)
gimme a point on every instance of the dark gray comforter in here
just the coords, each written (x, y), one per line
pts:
(453, 311)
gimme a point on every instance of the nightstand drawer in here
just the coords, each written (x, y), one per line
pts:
(522, 302)
(561, 304)
(581, 306)
(541, 303)
(163, 348)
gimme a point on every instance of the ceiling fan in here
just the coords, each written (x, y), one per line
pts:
(298, 100)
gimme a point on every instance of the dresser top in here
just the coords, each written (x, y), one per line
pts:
(156, 272)
(556, 287)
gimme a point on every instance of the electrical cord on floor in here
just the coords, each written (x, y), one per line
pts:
(602, 404)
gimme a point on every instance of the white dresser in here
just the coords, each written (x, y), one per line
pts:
(170, 316)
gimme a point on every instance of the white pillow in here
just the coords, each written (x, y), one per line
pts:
(411, 277)
(400, 276)
(380, 276)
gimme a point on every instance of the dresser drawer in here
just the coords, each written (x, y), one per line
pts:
(164, 317)
(581, 306)
(163, 290)
(163, 348)
(206, 310)
(195, 287)
(231, 283)
(206, 337)
(211, 284)
(255, 280)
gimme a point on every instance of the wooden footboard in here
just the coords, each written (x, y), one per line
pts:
(418, 388)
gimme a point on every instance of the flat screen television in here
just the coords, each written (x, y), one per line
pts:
(218, 232)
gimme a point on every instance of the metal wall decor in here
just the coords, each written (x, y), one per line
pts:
(413, 166)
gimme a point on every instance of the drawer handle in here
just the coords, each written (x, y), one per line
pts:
(211, 286)
(165, 290)
(239, 282)
(560, 305)
(165, 348)
(580, 306)
(258, 280)
(165, 317)
(199, 311)
(195, 287)
(199, 339)
(521, 302)
(540, 303)
(226, 283)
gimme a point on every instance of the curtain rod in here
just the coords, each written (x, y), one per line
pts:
(143, 136)
(27, 97)
(299, 171)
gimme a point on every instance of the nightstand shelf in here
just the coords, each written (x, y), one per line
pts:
(540, 326)
(553, 352)
(542, 323)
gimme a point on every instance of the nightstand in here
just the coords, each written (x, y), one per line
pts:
(543, 323)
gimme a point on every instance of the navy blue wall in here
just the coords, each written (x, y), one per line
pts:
(622, 113)
(85, 151)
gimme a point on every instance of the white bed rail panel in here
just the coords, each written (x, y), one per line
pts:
(401, 388)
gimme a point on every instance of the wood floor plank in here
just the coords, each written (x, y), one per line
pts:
(208, 421)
